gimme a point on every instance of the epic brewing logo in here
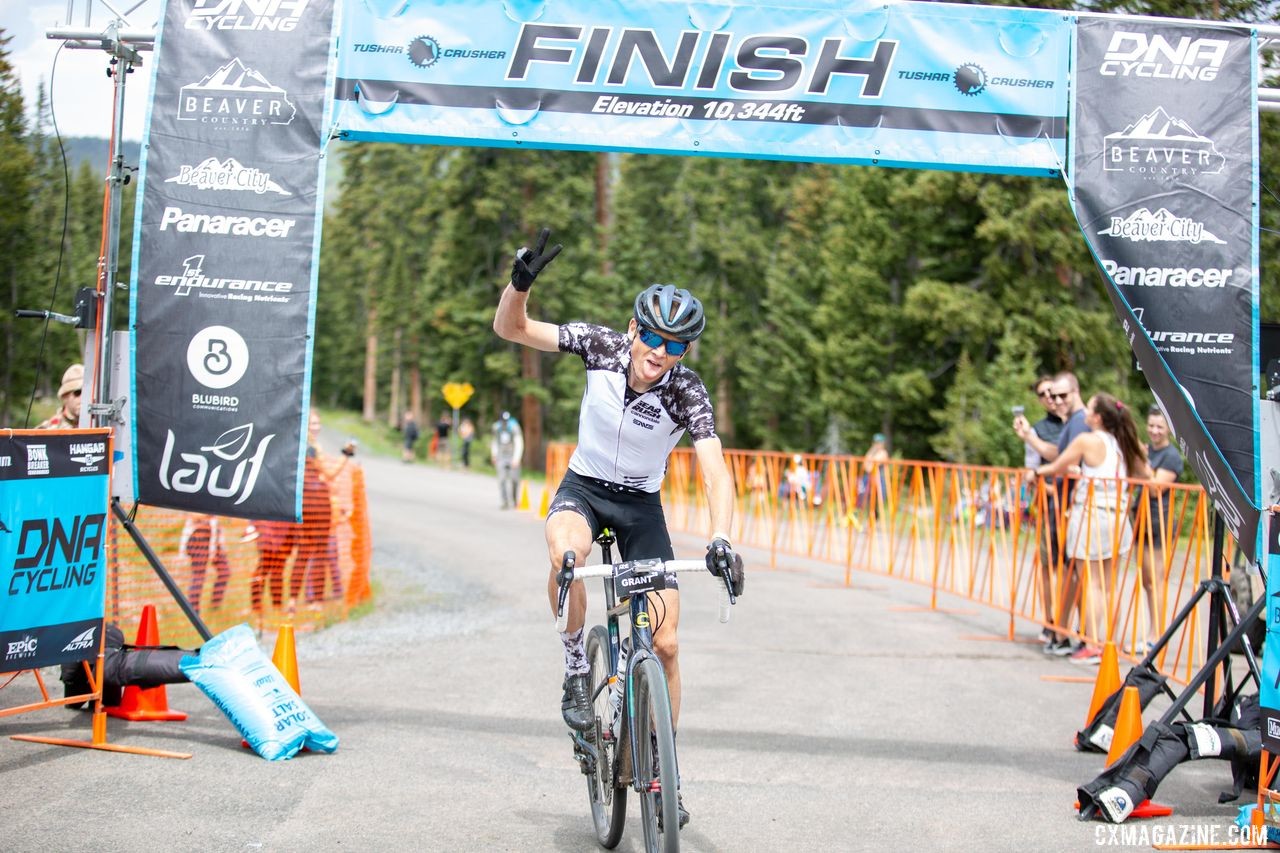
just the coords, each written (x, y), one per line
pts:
(197, 473)
(230, 174)
(237, 97)
(1159, 145)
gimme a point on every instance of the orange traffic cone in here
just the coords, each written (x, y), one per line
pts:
(285, 657)
(545, 505)
(1128, 732)
(1107, 682)
(152, 703)
(524, 496)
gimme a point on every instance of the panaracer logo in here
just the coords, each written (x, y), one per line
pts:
(1154, 56)
(1143, 226)
(1167, 276)
(274, 15)
(239, 226)
(703, 60)
(229, 174)
(196, 472)
(37, 459)
(1159, 145)
(81, 641)
(19, 649)
(234, 289)
(236, 97)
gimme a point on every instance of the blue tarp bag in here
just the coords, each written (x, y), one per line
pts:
(246, 686)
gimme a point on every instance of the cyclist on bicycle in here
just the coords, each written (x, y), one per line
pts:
(638, 402)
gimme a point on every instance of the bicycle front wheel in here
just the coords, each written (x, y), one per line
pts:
(608, 802)
(656, 775)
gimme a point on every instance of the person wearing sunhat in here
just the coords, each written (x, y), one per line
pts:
(68, 415)
(872, 462)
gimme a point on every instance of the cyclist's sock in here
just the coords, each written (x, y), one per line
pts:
(575, 653)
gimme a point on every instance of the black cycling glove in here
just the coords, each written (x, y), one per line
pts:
(529, 262)
(721, 558)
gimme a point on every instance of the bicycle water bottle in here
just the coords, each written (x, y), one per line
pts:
(620, 682)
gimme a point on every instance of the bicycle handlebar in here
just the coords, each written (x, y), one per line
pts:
(607, 570)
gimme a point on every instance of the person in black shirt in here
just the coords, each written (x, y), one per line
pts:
(1041, 442)
(1166, 466)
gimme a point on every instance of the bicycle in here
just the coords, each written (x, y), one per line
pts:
(643, 723)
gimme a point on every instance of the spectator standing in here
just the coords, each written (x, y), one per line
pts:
(410, 430)
(1107, 454)
(798, 482)
(1040, 443)
(467, 433)
(68, 414)
(1166, 466)
(202, 541)
(506, 450)
(1064, 395)
(443, 427)
(873, 466)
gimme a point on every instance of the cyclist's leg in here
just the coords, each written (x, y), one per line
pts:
(568, 530)
(570, 527)
(666, 613)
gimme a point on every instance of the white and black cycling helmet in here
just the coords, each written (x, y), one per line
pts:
(670, 310)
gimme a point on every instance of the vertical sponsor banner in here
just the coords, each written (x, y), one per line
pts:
(225, 254)
(1164, 177)
(890, 82)
(1269, 689)
(53, 545)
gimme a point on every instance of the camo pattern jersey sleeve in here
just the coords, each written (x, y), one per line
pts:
(628, 442)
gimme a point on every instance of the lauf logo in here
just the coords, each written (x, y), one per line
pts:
(197, 475)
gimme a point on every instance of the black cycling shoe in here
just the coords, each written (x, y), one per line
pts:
(576, 703)
(680, 810)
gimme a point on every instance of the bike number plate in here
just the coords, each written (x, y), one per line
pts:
(628, 581)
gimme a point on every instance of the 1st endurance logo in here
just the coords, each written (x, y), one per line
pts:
(192, 278)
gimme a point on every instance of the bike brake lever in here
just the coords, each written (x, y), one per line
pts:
(563, 578)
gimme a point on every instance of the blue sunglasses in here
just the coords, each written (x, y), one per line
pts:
(653, 340)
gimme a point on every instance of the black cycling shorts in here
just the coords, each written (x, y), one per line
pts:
(635, 517)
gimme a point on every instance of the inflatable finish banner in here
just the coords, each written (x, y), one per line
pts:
(224, 258)
(888, 83)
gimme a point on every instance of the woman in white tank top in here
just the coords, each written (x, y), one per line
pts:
(1098, 528)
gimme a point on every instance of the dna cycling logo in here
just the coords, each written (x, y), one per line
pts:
(252, 15)
(226, 468)
(1155, 57)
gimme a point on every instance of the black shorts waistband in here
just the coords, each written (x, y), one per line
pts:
(608, 486)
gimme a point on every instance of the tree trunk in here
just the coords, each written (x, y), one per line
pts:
(604, 208)
(371, 367)
(393, 408)
(415, 391)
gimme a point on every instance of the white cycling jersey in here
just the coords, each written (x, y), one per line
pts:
(628, 443)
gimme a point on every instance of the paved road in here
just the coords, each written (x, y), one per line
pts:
(819, 718)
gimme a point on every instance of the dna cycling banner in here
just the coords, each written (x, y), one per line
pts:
(53, 545)
(1269, 689)
(891, 83)
(1164, 177)
(225, 255)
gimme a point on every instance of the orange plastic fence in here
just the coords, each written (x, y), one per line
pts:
(261, 572)
(976, 532)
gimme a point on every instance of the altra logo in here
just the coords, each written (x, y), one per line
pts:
(24, 648)
(37, 459)
(1154, 56)
(197, 472)
(1160, 146)
(272, 15)
(234, 289)
(1143, 226)
(236, 97)
(230, 174)
(81, 641)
